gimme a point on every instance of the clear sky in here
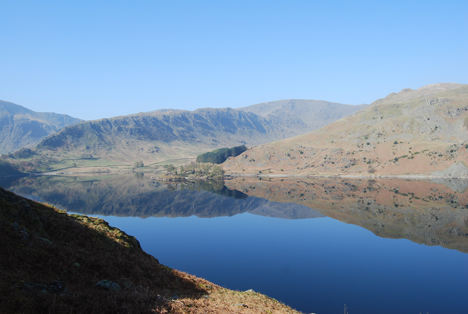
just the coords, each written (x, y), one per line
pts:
(98, 59)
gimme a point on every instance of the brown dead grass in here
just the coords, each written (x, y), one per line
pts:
(40, 244)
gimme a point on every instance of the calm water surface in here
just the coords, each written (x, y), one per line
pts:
(315, 265)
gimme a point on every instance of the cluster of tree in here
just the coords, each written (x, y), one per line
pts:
(219, 156)
(169, 168)
(215, 186)
(138, 164)
(196, 169)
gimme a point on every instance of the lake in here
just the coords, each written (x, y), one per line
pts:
(378, 246)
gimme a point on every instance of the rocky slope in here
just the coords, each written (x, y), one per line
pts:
(426, 212)
(52, 262)
(422, 131)
(21, 127)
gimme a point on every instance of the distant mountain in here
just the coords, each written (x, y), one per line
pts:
(169, 134)
(422, 131)
(302, 115)
(21, 127)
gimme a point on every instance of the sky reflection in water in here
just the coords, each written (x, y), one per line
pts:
(315, 265)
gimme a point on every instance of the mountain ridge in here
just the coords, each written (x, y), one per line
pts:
(21, 127)
(422, 131)
(163, 134)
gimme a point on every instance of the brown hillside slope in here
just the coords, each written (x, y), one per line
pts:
(422, 131)
(50, 262)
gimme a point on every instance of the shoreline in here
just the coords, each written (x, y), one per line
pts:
(231, 176)
(347, 176)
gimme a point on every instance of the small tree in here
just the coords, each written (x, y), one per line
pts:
(218, 170)
(169, 167)
(138, 164)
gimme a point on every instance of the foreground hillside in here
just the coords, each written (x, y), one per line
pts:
(422, 131)
(21, 127)
(52, 262)
(171, 134)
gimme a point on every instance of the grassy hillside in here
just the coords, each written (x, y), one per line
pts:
(422, 131)
(21, 127)
(52, 262)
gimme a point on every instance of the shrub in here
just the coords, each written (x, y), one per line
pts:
(138, 164)
(218, 171)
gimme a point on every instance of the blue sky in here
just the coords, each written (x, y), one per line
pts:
(98, 59)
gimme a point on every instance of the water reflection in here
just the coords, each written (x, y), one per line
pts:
(431, 213)
(314, 265)
(427, 212)
(128, 195)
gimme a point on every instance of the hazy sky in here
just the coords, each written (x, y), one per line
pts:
(96, 59)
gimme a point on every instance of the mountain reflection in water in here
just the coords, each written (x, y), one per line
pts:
(139, 196)
(426, 212)
(314, 265)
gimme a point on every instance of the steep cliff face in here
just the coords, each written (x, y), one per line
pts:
(22, 128)
(413, 132)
